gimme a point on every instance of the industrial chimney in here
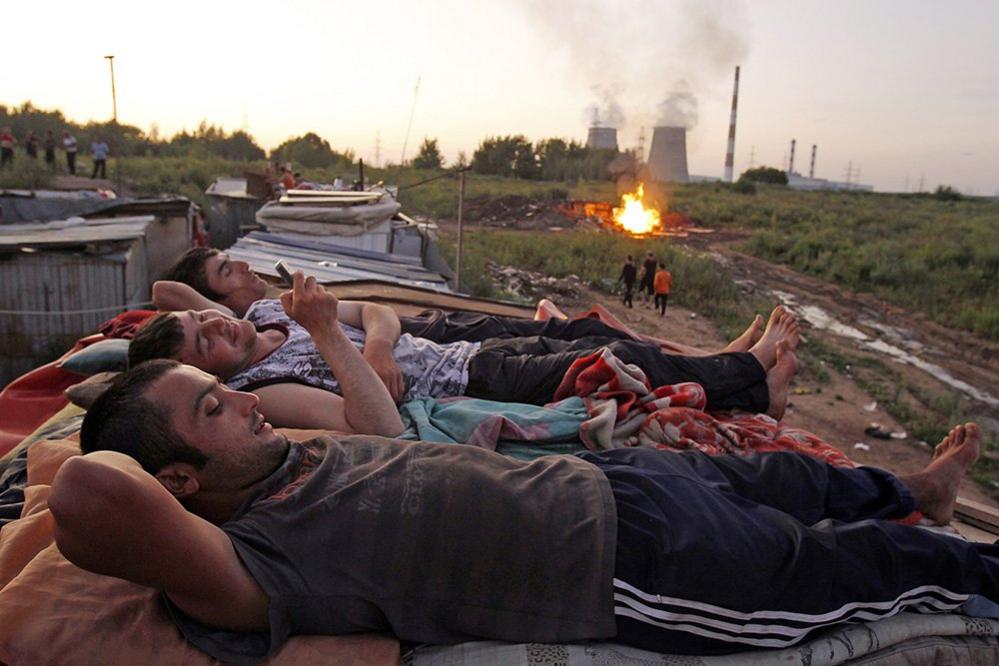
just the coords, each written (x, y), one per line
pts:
(730, 153)
(602, 137)
(790, 162)
(811, 169)
(668, 155)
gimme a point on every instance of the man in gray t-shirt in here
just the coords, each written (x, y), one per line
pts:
(184, 487)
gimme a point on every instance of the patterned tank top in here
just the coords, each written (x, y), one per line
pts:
(430, 370)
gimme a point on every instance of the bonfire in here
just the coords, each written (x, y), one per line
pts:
(634, 217)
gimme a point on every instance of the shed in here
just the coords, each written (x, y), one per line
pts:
(231, 210)
(59, 280)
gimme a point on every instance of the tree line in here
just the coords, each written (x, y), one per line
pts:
(553, 159)
(207, 140)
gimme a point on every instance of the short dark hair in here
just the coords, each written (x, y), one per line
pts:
(190, 269)
(662, 264)
(629, 257)
(125, 420)
(160, 337)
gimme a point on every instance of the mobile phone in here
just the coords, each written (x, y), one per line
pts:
(282, 269)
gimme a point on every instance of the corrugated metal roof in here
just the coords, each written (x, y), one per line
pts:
(331, 263)
(72, 233)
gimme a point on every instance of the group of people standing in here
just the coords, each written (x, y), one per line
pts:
(99, 149)
(655, 284)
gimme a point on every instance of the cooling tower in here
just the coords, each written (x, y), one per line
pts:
(668, 156)
(602, 137)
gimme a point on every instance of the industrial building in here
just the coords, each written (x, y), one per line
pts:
(668, 155)
(604, 138)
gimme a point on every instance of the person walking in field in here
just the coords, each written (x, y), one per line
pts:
(628, 276)
(646, 287)
(100, 151)
(69, 145)
(7, 142)
(31, 145)
(662, 283)
(49, 144)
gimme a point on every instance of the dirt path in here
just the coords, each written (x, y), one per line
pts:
(837, 409)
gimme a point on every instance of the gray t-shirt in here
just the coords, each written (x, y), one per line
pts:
(436, 543)
(430, 370)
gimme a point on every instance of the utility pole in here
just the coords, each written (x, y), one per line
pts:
(922, 181)
(461, 228)
(412, 111)
(752, 156)
(641, 144)
(114, 98)
(378, 149)
(849, 173)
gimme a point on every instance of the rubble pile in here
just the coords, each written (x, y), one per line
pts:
(534, 286)
(515, 211)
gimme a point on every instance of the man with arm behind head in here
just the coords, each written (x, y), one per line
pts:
(184, 487)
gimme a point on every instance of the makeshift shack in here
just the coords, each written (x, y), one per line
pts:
(59, 280)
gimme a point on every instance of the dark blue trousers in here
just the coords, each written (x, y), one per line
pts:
(724, 554)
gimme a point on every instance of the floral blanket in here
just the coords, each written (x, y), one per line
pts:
(602, 404)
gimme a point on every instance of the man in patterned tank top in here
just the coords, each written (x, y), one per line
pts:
(294, 358)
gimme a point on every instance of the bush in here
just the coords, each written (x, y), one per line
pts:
(764, 174)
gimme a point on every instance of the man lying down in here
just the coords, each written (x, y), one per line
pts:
(185, 487)
(207, 279)
(308, 370)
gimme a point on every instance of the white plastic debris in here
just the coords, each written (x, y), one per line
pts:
(862, 446)
(871, 406)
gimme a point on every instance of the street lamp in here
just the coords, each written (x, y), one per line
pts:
(114, 99)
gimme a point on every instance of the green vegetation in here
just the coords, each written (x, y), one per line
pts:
(764, 174)
(939, 257)
(596, 258)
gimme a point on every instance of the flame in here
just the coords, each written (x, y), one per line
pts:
(633, 216)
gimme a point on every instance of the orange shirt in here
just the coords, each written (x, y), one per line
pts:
(663, 281)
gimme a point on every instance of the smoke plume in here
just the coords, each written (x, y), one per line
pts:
(643, 59)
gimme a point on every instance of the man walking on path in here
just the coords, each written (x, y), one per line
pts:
(663, 281)
(100, 150)
(69, 145)
(648, 276)
(628, 276)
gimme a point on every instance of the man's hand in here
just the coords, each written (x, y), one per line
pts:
(379, 357)
(311, 305)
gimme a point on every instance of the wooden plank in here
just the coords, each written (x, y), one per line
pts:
(978, 514)
(315, 201)
(403, 295)
(335, 194)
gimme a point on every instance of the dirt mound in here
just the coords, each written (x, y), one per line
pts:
(516, 211)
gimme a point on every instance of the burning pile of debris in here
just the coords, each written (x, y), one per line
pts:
(533, 286)
(516, 211)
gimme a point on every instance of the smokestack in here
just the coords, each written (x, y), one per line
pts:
(790, 162)
(602, 137)
(811, 169)
(730, 154)
(668, 155)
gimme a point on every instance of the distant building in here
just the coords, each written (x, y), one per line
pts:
(798, 182)
(602, 137)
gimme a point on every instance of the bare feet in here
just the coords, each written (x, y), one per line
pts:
(935, 488)
(783, 326)
(779, 379)
(748, 338)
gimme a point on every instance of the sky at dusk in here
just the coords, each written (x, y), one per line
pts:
(903, 90)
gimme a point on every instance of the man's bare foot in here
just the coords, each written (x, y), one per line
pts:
(779, 379)
(935, 488)
(748, 338)
(783, 326)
